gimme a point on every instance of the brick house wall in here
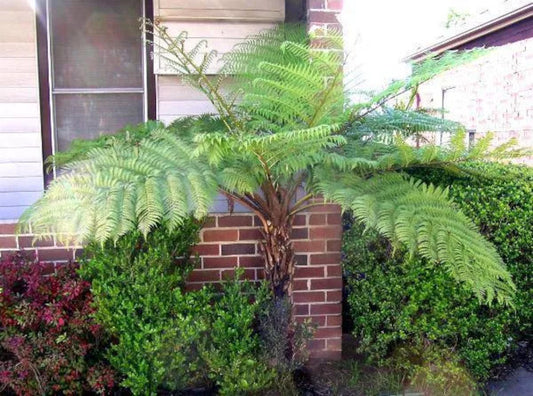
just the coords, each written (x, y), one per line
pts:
(232, 240)
(493, 93)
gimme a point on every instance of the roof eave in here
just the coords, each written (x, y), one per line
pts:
(471, 34)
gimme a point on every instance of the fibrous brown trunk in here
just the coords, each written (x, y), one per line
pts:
(278, 253)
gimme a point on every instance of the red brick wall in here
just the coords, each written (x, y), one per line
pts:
(229, 241)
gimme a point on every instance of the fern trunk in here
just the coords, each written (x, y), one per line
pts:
(278, 253)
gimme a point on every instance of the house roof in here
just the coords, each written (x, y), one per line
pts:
(486, 23)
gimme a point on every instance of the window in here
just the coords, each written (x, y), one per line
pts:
(94, 74)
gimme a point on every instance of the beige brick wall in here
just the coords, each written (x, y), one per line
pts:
(493, 93)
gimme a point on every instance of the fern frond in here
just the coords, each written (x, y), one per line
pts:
(122, 187)
(423, 218)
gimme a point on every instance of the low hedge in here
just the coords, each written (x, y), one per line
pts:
(398, 303)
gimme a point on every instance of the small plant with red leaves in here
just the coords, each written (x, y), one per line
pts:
(49, 342)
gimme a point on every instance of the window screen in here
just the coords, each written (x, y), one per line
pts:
(96, 53)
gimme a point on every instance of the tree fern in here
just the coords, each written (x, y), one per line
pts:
(283, 124)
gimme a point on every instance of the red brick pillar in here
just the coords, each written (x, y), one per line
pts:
(318, 280)
(323, 14)
(229, 241)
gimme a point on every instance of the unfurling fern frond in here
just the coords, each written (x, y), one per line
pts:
(424, 219)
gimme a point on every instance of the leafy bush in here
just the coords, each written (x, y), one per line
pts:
(49, 342)
(137, 286)
(397, 301)
(169, 339)
(230, 346)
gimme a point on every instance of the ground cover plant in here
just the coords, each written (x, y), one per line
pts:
(402, 306)
(49, 341)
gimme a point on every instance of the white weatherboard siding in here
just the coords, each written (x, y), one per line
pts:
(21, 174)
(241, 10)
(223, 24)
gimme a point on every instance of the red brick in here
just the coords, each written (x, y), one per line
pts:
(193, 286)
(334, 245)
(334, 344)
(317, 219)
(326, 309)
(230, 274)
(207, 250)
(333, 232)
(235, 221)
(204, 276)
(334, 296)
(78, 253)
(330, 283)
(251, 262)
(316, 4)
(311, 296)
(210, 222)
(328, 332)
(8, 242)
(334, 320)
(334, 218)
(299, 220)
(250, 234)
(55, 254)
(301, 259)
(220, 235)
(326, 258)
(326, 208)
(333, 270)
(219, 262)
(238, 248)
(309, 246)
(309, 272)
(299, 284)
(315, 345)
(316, 320)
(299, 233)
(301, 309)
(335, 5)
(8, 229)
(27, 241)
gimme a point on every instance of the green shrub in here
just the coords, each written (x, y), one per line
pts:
(230, 346)
(397, 301)
(138, 291)
(169, 339)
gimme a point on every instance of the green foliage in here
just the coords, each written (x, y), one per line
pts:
(231, 348)
(434, 371)
(137, 286)
(498, 199)
(169, 339)
(400, 301)
(282, 122)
